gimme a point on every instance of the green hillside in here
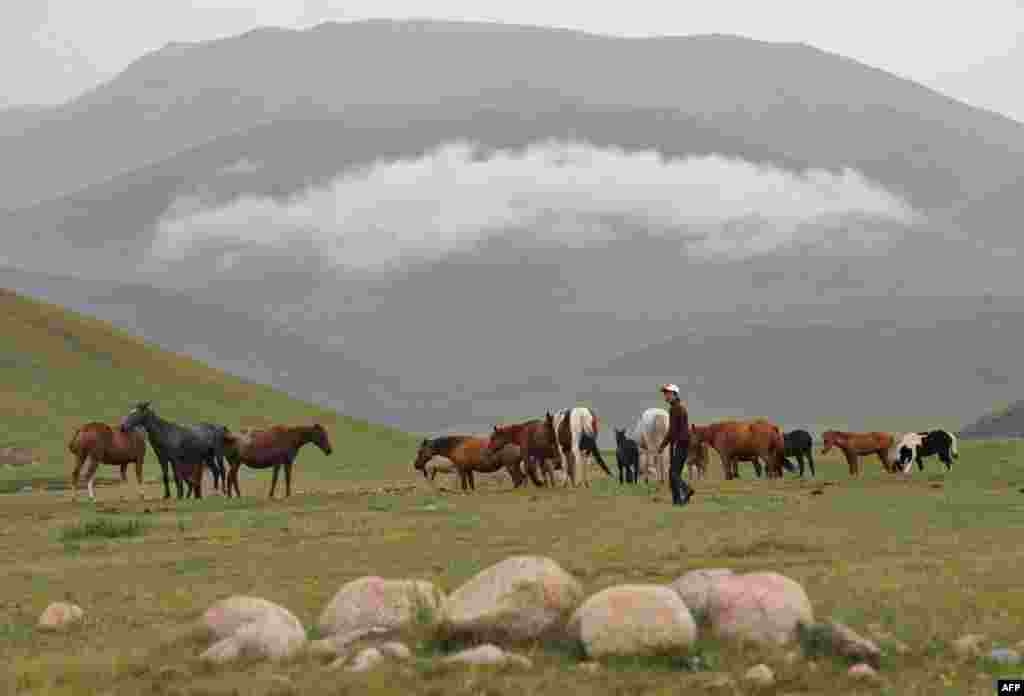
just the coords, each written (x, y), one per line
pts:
(59, 369)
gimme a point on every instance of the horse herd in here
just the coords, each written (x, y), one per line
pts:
(567, 439)
(534, 450)
(186, 450)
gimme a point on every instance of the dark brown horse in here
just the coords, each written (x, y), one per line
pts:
(536, 440)
(856, 445)
(275, 447)
(735, 439)
(99, 443)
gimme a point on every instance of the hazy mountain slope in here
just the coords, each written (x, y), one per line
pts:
(1001, 424)
(793, 98)
(60, 369)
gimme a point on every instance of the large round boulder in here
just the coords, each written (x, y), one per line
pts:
(632, 620)
(519, 599)
(252, 627)
(757, 607)
(377, 603)
(694, 588)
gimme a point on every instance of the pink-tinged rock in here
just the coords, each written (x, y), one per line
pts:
(757, 607)
(252, 627)
(377, 603)
(863, 672)
(694, 588)
(60, 615)
(633, 620)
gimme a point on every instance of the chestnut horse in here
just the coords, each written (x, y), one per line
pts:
(855, 445)
(536, 440)
(508, 457)
(468, 454)
(275, 447)
(735, 439)
(100, 443)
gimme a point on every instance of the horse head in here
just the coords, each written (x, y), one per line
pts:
(320, 439)
(137, 417)
(423, 455)
(830, 439)
(501, 436)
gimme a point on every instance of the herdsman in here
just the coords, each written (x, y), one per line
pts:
(678, 436)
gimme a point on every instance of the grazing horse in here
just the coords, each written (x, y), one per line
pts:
(648, 433)
(627, 455)
(855, 445)
(183, 448)
(799, 445)
(275, 447)
(577, 430)
(468, 453)
(932, 442)
(508, 458)
(100, 444)
(743, 439)
(903, 452)
(537, 443)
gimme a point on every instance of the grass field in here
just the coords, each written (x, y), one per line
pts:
(929, 558)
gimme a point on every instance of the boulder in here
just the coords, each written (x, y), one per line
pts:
(488, 654)
(378, 603)
(366, 660)
(758, 607)
(759, 676)
(694, 587)
(60, 615)
(633, 620)
(519, 599)
(863, 672)
(252, 627)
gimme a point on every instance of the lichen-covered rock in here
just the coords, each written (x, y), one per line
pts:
(694, 588)
(375, 602)
(633, 620)
(519, 599)
(759, 676)
(252, 627)
(758, 607)
(60, 615)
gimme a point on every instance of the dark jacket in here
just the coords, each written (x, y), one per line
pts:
(678, 425)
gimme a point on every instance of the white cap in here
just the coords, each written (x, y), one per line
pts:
(670, 388)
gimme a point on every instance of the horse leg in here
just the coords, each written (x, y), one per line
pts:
(138, 479)
(124, 472)
(288, 478)
(79, 461)
(167, 482)
(273, 481)
(197, 480)
(90, 476)
(885, 460)
(810, 462)
(851, 462)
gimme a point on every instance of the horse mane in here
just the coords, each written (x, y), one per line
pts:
(446, 443)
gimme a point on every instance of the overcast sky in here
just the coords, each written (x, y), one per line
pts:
(51, 50)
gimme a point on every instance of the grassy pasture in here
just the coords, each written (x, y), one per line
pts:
(928, 558)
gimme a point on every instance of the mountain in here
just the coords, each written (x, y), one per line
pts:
(1002, 424)
(788, 232)
(60, 369)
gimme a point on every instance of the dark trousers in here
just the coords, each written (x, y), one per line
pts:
(680, 488)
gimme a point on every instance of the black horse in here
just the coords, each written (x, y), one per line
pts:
(799, 445)
(217, 435)
(940, 442)
(627, 454)
(184, 448)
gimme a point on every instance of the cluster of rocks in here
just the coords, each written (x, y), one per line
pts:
(525, 599)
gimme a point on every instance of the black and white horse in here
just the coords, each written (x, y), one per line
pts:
(915, 447)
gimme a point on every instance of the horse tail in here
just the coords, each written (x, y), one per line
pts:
(954, 450)
(594, 422)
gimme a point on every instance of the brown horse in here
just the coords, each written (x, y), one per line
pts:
(735, 439)
(275, 447)
(536, 440)
(100, 443)
(697, 457)
(508, 458)
(468, 454)
(856, 445)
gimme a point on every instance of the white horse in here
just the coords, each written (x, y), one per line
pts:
(581, 422)
(648, 433)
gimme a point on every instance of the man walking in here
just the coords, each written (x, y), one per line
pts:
(678, 436)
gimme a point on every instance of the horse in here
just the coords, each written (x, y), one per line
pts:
(275, 447)
(799, 444)
(746, 439)
(627, 455)
(217, 435)
(697, 457)
(101, 444)
(648, 432)
(854, 445)
(184, 448)
(936, 442)
(468, 453)
(577, 430)
(508, 457)
(536, 440)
